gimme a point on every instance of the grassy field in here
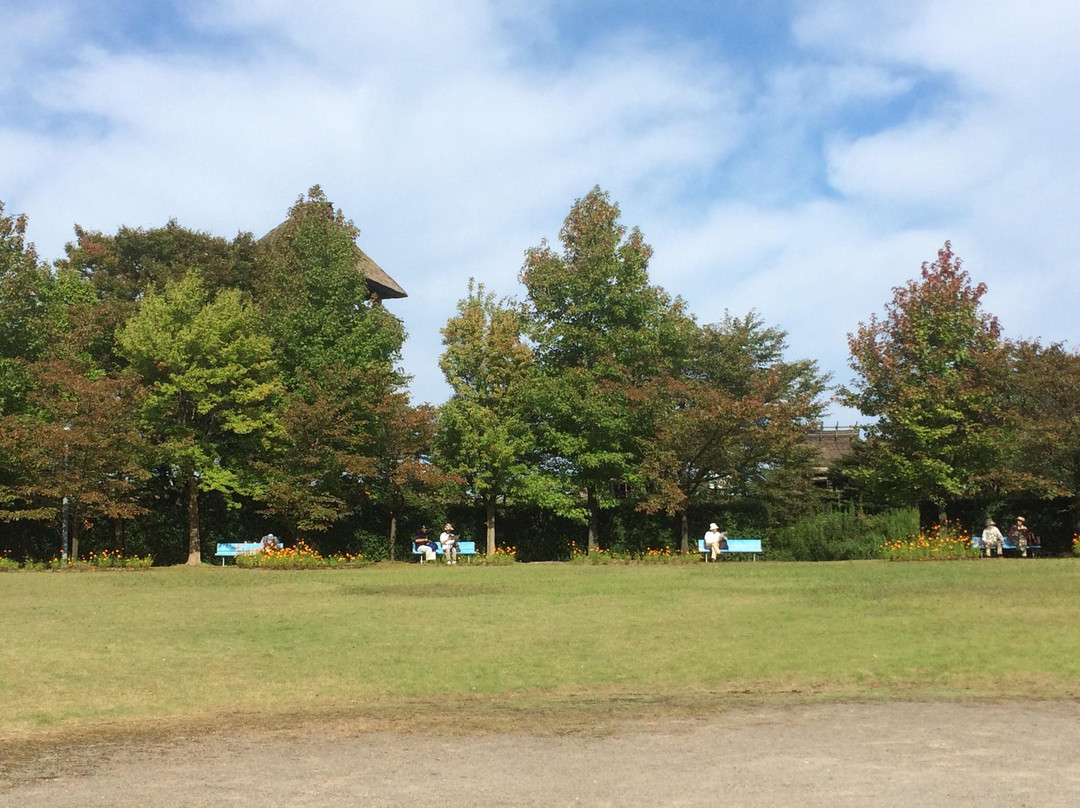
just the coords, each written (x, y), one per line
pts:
(81, 650)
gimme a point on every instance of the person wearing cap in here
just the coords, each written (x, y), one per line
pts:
(992, 539)
(715, 540)
(449, 543)
(1020, 533)
(425, 545)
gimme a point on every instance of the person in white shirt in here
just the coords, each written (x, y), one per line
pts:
(715, 540)
(449, 543)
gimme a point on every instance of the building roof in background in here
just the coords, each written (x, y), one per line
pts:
(379, 283)
(833, 443)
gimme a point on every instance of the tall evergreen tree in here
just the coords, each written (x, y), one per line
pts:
(603, 335)
(338, 349)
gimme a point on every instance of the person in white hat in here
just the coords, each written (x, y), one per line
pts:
(449, 543)
(992, 538)
(715, 540)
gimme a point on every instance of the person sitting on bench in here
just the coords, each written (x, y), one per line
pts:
(992, 539)
(1020, 533)
(425, 545)
(449, 543)
(715, 540)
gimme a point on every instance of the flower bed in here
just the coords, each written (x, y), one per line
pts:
(503, 556)
(947, 541)
(106, 559)
(300, 557)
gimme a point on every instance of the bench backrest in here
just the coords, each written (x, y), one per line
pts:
(734, 546)
(744, 545)
(464, 548)
(235, 548)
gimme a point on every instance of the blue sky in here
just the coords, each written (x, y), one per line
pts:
(796, 157)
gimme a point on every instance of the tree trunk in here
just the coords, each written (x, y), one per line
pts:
(118, 535)
(194, 549)
(1076, 518)
(684, 533)
(490, 506)
(928, 513)
(594, 518)
(74, 533)
(393, 535)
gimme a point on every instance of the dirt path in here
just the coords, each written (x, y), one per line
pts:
(880, 754)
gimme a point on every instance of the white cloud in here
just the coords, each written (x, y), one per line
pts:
(937, 163)
(806, 188)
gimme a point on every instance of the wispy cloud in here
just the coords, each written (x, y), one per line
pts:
(804, 185)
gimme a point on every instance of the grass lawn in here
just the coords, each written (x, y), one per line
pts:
(84, 650)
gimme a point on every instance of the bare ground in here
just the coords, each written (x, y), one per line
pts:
(878, 753)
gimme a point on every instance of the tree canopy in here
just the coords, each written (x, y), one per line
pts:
(927, 371)
(603, 334)
(192, 387)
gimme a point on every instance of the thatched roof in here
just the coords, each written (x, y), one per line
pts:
(379, 283)
(832, 443)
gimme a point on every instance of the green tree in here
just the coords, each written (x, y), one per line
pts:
(927, 373)
(315, 300)
(1041, 434)
(485, 430)
(80, 442)
(34, 303)
(315, 474)
(603, 334)
(735, 421)
(404, 472)
(213, 388)
(117, 270)
(338, 349)
(33, 310)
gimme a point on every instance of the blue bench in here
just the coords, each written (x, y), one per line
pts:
(465, 548)
(733, 546)
(235, 548)
(1008, 544)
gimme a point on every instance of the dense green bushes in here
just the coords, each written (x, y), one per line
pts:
(839, 535)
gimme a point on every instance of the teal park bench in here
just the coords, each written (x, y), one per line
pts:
(733, 546)
(235, 548)
(465, 548)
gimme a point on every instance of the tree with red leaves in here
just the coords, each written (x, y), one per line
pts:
(928, 372)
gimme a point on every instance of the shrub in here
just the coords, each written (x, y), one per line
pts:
(8, 564)
(842, 534)
(107, 559)
(113, 559)
(503, 556)
(372, 546)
